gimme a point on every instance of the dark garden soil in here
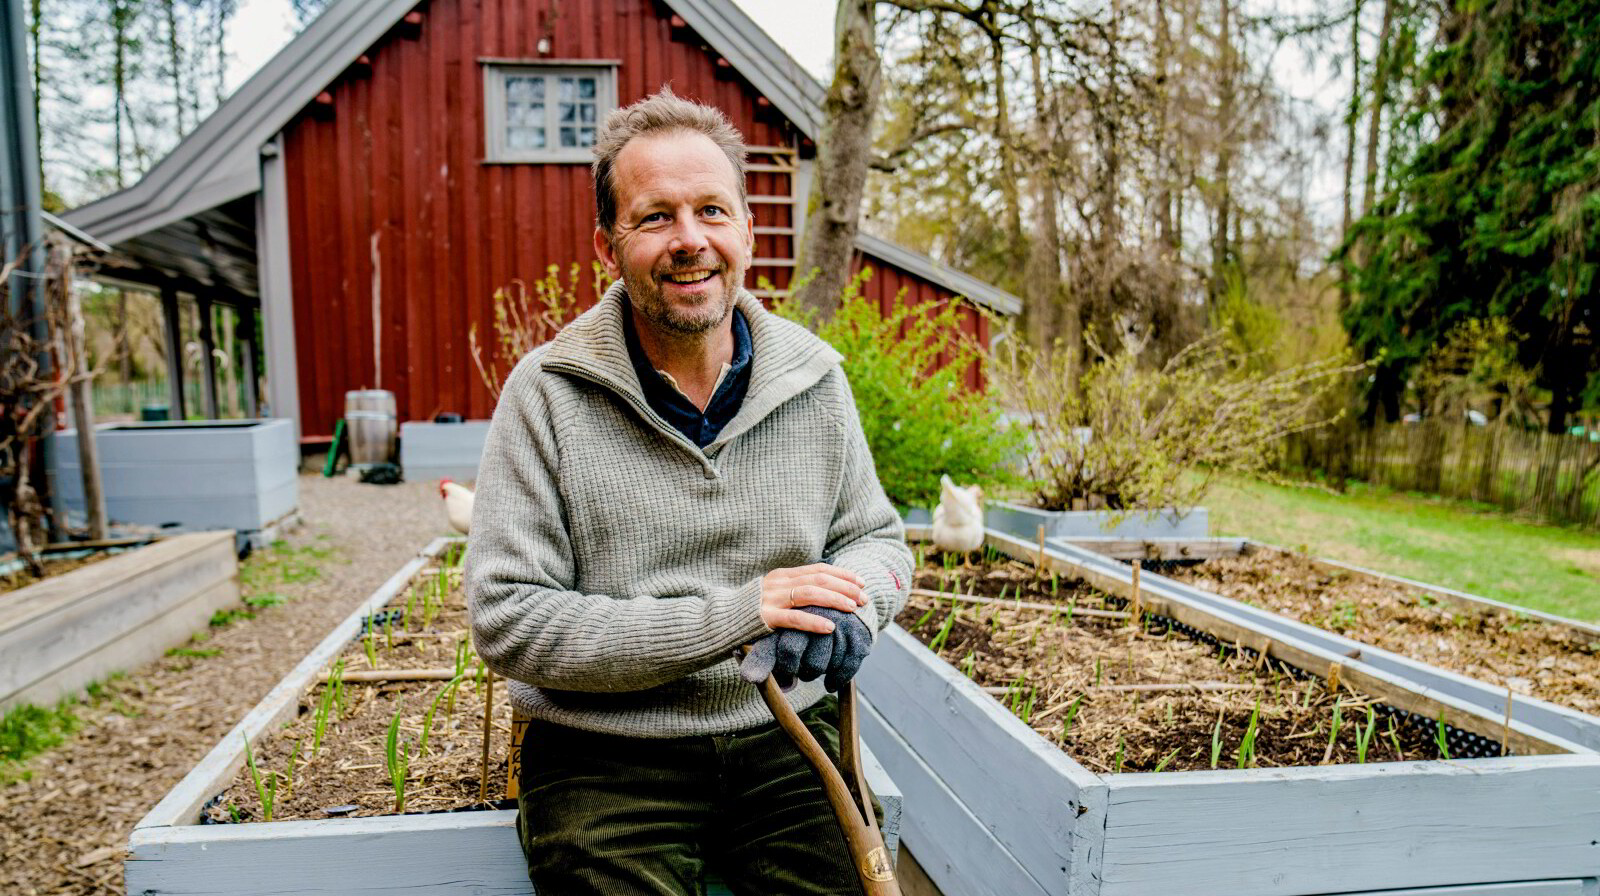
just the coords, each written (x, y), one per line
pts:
(1117, 697)
(65, 814)
(53, 566)
(1541, 659)
(351, 767)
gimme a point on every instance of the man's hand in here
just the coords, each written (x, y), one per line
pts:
(790, 654)
(784, 592)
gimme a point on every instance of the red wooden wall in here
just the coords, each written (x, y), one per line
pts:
(389, 195)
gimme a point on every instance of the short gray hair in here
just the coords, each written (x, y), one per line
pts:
(660, 113)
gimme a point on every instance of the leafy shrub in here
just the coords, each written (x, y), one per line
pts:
(523, 322)
(919, 418)
(1134, 438)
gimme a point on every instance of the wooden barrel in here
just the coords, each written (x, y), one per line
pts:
(369, 419)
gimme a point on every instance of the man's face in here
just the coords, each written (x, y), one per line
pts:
(682, 240)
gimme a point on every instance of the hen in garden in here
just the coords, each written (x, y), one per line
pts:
(958, 520)
(457, 504)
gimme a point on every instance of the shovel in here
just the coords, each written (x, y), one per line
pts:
(845, 786)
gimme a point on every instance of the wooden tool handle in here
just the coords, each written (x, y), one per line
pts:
(851, 802)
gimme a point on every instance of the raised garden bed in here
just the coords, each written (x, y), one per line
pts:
(1002, 808)
(60, 634)
(204, 474)
(210, 833)
(1022, 521)
(1470, 648)
(442, 450)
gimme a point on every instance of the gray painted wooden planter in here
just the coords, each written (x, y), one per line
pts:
(203, 474)
(1024, 522)
(1568, 724)
(999, 810)
(442, 450)
(58, 635)
(447, 854)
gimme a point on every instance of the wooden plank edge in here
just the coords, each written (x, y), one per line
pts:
(1231, 628)
(181, 806)
(932, 800)
(1130, 548)
(1558, 721)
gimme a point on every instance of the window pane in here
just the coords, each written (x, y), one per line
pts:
(586, 113)
(569, 137)
(568, 113)
(585, 136)
(525, 138)
(569, 90)
(586, 88)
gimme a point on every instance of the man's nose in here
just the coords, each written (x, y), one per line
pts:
(688, 236)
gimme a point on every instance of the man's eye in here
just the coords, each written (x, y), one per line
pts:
(652, 218)
(713, 211)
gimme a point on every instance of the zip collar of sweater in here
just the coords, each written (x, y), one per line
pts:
(788, 359)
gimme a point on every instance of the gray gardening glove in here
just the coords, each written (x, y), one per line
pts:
(790, 654)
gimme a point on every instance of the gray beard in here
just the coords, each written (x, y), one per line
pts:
(646, 298)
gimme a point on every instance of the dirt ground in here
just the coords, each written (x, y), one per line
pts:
(1124, 698)
(351, 767)
(53, 566)
(1541, 659)
(63, 828)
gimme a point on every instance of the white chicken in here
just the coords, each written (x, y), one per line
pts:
(958, 520)
(457, 504)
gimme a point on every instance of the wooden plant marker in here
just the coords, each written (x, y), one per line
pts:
(1505, 727)
(1333, 677)
(1134, 611)
(1038, 566)
(519, 731)
(488, 705)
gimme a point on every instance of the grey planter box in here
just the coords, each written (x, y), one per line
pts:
(1024, 522)
(1561, 721)
(999, 810)
(442, 450)
(448, 854)
(202, 474)
(58, 635)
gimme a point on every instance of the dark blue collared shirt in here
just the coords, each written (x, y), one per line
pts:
(699, 427)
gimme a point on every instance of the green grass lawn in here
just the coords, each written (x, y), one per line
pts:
(1440, 542)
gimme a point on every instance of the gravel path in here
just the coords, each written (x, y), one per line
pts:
(63, 830)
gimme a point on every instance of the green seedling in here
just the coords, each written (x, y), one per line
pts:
(1166, 760)
(1394, 738)
(1071, 605)
(288, 775)
(969, 665)
(370, 646)
(336, 681)
(944, 631)
(397, 759)
(1364, 736)
(319, 724)
(262, 601)
(411, 604)
(922, 620)
(1116, 761)
(1055, 584)
(266, 792)
(1072, 713)
(194, 653)
(1338, 720)
(233, 812)
(1004, 589)
(1247, 744)
(1169, 715)
(388, 632)
(427, 718)
(1441, 740)
(920, 557)
(1216, 741)
(1096, 671)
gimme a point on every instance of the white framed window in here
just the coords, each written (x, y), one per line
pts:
(545, 113)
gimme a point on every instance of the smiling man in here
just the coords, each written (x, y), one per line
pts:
(677, 473)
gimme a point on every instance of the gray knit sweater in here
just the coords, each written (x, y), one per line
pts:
(614, 566)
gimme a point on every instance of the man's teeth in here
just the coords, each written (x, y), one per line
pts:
(694, 277)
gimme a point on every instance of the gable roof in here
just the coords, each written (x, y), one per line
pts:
(219, 161)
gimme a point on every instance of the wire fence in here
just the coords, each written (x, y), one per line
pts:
(1550, 477)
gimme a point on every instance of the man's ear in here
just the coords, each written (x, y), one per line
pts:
(749, 237)
(608, 254)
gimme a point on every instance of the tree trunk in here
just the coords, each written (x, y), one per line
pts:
(175, 60)
(1353, 113)
(1042, 278)
(1002, 129)
(1221, 247)
(1380, 90)
(833, 211)
(76, 357)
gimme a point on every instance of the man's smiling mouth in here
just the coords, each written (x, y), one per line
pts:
(691, 276)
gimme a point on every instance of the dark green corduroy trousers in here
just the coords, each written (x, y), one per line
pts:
(615, 816)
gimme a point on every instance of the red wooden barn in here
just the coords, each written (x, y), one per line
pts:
(368, 190)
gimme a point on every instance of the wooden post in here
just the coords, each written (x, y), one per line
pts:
(1038, 567)
(174, 340)
(245, 332)
(208, 360)
(94, 498)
